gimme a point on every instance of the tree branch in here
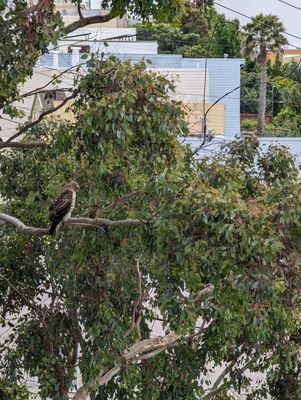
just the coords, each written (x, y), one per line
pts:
(71, 366)
(43, 90)
(84, 21)
(38, 90)
(81, 222)
(202, 293)
(29, 304)
(21, 227)
(218, 386)
(30, 125)
(23, 145)
(77, 330)
(142, 350)
(79, 11)
(136, 315)
(132, 353)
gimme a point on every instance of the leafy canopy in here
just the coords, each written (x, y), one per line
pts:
(231, 221)
(26, 30)
(199, 32)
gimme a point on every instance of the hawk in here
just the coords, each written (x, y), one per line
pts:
(62, 206)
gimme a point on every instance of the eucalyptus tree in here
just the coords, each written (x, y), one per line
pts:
(27, 29)
(207, 251)
(265, 33)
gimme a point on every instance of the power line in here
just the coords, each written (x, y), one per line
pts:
(289, 4)
(248, 17)
(231, 9)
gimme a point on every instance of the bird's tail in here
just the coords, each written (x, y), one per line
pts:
(52, 230)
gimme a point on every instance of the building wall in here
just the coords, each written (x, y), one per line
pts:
(287, 55)
(215, 121)
(224, 76)
(128, 47)
(163, 61)
(186, 89)
(189, 89)
(100, 34)
(112, 47)
(113, 23)
(41, 76)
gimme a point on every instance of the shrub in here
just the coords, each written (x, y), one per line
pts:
(248, 124)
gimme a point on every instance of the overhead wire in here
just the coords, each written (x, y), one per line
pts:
(289, 4)
(250, 18)
(137, 35)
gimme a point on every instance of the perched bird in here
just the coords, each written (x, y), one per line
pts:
(62, 206)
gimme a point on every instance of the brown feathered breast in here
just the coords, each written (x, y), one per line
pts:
(62, 204)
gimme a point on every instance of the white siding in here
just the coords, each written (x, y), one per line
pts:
(102, 33)
(126, 47)
(189, 84)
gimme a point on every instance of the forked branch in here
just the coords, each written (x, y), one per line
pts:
(142, 350)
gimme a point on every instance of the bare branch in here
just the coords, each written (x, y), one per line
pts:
(142, 350)
(21, 227)
(150, 355)
(53, 90)
(30, 125)
(202, 293)
(35, 91)
(105, 222)
(77, 329)
(131, 354)
(79, 11)
(218, 385)
(23, 145)
(71, 366)
(27, 301)
(136, 315)
(84, 21)
(81, 222)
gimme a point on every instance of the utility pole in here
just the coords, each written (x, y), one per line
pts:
(272, 103)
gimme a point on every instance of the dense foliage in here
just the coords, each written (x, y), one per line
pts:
(209, 250)
(231, 223)
(263, 34)
(200, 32)
(25, 34)
(27, 29)
(283, 96)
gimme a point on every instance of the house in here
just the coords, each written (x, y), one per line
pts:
(222, 76)
(43, 102)
(69, 13)
(199, 84)
(288, 55)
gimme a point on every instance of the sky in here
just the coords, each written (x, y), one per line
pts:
(290, 17)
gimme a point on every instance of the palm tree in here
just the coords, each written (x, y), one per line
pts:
(265, 33)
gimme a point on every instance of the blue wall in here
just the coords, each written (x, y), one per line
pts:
(224, 76)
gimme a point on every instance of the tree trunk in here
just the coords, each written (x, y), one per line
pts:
(262, 93)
